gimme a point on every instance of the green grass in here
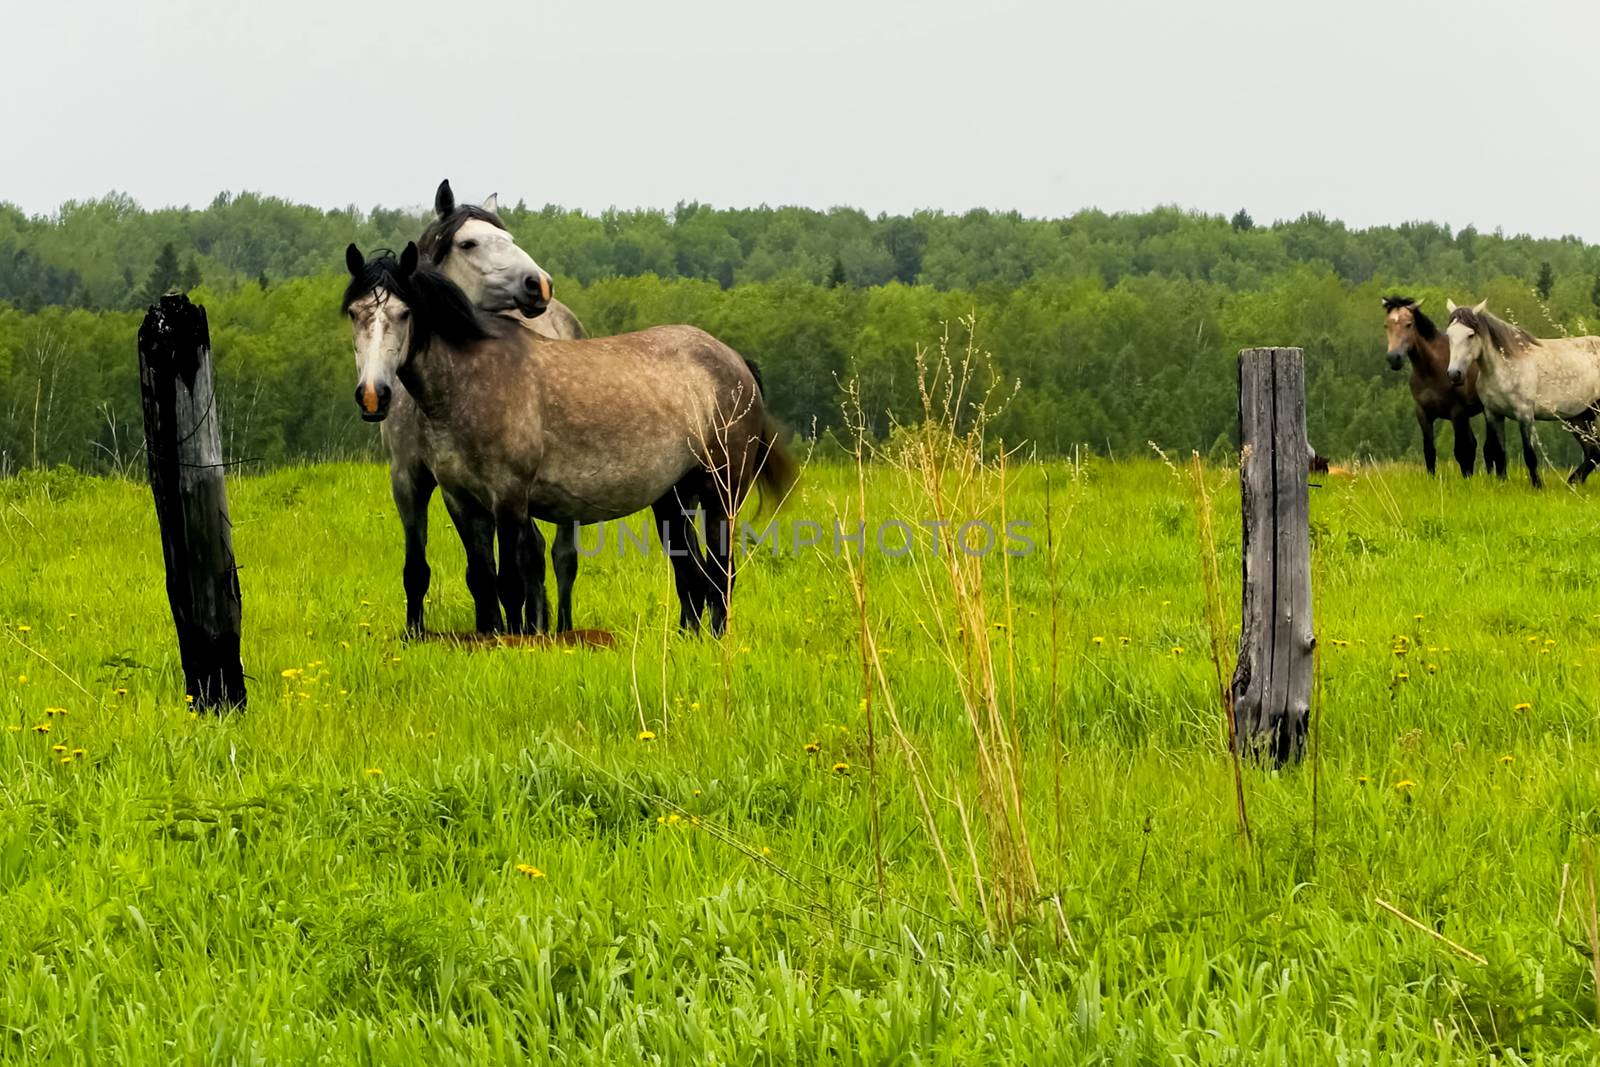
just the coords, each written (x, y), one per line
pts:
(250, 889)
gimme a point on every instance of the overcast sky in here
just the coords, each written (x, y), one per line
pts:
(1371, 112)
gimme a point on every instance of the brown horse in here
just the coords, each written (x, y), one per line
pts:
(513, 424)
(1413, 336)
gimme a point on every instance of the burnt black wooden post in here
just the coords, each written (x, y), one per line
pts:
(1272, 683)
(184, 447)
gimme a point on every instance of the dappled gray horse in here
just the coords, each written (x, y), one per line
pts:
(570, 431)
(1526, 378)
(472, 247)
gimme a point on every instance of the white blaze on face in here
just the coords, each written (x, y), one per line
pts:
(490, 267)
(381, 326)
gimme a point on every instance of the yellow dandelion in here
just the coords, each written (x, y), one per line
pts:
(674, 819)
(841, 768)
(58, 748)
(364, 624)
(696, 793)
(1363, 779)
(24, 628)
(1177, 650)
(1124, 641)
(55, 711)
(694, 705)
(1507, 758)
(1337, 643)
(1403, 676)
(813, 747)
(66, 759)
(80, 752)
(528, 870)
(374, 772)
(291, 672)
(1097, 639)
(1404, 784)
(647, 735)
(42, 728)
(22, 679)
(1523, 707)
(121, 691)
(188, 698)
(765, 851)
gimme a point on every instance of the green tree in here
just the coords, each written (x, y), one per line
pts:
(1546, 281)
(1242, 221)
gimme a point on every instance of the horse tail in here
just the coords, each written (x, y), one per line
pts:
(776, 471)
(755, 372)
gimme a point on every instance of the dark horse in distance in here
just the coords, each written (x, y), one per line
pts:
(1413, 336)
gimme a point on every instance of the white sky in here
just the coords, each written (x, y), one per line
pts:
(1372, 112)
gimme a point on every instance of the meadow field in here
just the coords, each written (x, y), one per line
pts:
(681, 850)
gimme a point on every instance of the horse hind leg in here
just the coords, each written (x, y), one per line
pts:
(718, 503)
(1583, 430)
(675, 528)
(564, 560)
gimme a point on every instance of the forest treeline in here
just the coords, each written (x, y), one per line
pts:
(1121, 328)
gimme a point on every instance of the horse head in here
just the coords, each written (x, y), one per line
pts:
(1468, 332)
(1405, 323)
(381, 320)
(472, 247)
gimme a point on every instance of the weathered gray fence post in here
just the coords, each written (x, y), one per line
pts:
(1272, 683)
(184, 446)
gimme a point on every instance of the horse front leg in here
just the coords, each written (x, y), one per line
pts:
(475, 524)
(1466, 445)
(413, 489)
(1430, 452)
(1530, 454)
(516, 533)
(564, 559)
(537, 602)
(1494, 445)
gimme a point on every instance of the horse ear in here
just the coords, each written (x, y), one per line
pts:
(408, 260)
(353, 261)
(1482, 306)
(492, 204)
(444, 201)
(1450, 305)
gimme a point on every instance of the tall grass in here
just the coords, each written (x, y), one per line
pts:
(418, 852)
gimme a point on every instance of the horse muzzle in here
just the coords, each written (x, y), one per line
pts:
(1395, 359)
(373, 400)
(534, 296)
(1457, 377)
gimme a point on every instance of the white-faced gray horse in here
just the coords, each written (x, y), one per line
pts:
(472, 246)
(570, 431)
(1526, 378)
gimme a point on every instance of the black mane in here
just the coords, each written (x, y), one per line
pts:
(439, 309)
(1425, 326)
(440, 236)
